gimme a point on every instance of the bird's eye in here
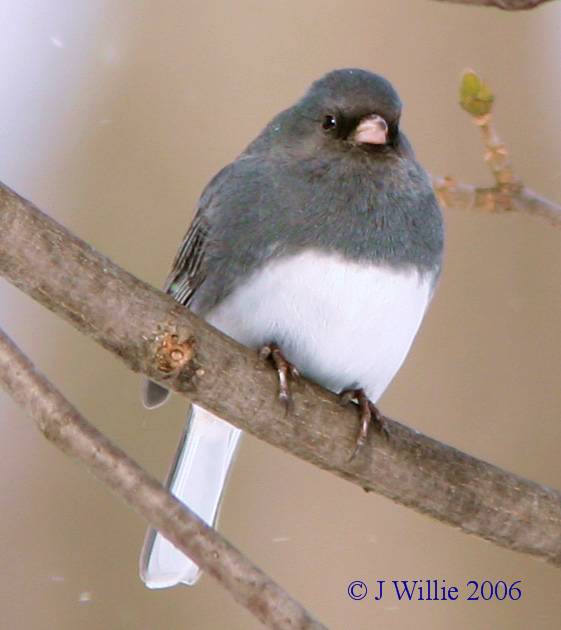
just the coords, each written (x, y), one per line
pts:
(329, 122)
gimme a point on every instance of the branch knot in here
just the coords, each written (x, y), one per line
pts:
(173, 354)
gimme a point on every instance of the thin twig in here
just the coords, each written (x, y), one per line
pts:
(459, 196)
(137, 323)
(506, 5)
(508, 194)
(63, 425)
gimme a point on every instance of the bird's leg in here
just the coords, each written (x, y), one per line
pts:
(285, 371)
(368, 414)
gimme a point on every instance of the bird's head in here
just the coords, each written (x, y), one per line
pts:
(347, 109)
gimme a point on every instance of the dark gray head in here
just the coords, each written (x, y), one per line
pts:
(348, 109)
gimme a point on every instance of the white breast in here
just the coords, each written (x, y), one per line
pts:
(342, 324)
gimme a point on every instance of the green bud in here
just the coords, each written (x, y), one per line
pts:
(475, 95)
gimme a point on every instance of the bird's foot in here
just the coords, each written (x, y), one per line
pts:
(285, 370)
(368, 414)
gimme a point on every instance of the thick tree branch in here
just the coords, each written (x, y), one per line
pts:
(143, 326)
(63, 425)
(506, 5)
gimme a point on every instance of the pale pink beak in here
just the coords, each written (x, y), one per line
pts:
(371, 130)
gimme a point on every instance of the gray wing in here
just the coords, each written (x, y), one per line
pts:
(188, 272)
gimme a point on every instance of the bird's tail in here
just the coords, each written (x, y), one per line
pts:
(197, 478)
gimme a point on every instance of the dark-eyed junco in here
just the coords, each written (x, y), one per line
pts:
(322, 243)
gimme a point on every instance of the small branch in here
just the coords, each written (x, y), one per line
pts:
(497, 156)
(452, 194)
(508, 193)
(136, 322)
(506, 5)
(63, 425)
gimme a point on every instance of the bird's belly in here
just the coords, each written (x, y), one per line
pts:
(342, 324)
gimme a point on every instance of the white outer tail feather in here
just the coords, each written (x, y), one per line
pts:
(197, 478)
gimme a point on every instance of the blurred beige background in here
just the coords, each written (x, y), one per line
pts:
(113, 116)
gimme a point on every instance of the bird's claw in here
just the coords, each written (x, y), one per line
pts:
(286, 371)
(369, 415)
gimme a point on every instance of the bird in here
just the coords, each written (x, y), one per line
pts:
(320, 246)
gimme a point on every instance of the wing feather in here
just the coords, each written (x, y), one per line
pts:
(188, 269)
